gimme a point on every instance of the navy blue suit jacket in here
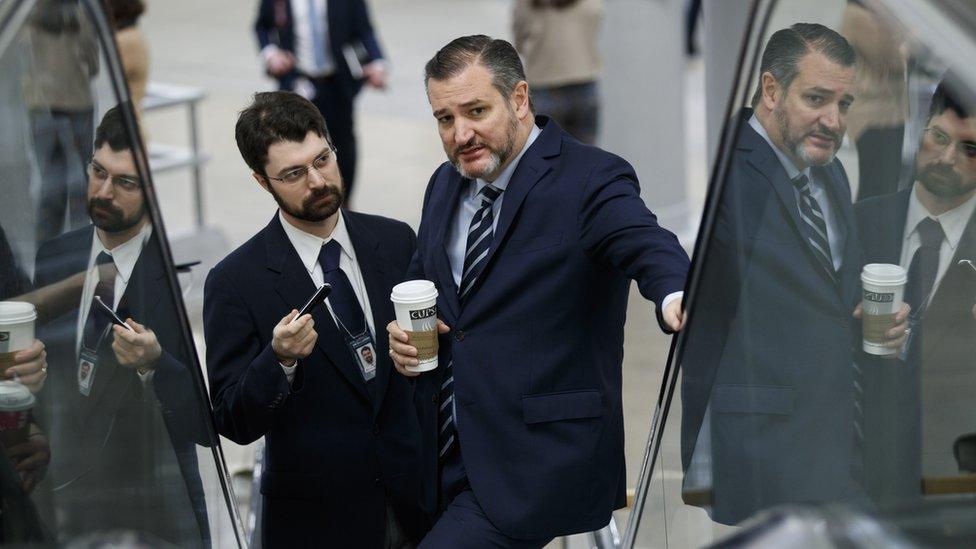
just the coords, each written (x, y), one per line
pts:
(538, 344)
(121, 439)
(769, 342)
(934, 388)
(333, 457)
(348, 24)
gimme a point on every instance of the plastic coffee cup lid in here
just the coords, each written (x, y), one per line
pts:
(884, 274)
(15, 397)
(12, 312)
(413, 291)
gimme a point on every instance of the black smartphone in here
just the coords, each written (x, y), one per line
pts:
(317, 298)
(111, 314)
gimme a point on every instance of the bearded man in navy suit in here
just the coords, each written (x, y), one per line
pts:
(532, 239)
(342, 440)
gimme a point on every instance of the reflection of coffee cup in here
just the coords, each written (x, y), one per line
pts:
(884, 288)
(16, 330)
(415, 302)
(16, 402)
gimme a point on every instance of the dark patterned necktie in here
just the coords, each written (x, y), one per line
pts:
(343, 300)
(475, 257)
(813, 218)
(925, 263)
(97, 320)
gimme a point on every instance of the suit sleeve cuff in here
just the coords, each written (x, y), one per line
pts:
(671, 297)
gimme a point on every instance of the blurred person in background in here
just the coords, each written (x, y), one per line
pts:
(876, 121)
(926, 402)
(119, 406)
(58, 92)
(557, 40)
(324, 50)
(133, 49)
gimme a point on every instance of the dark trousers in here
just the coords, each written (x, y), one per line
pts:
(463, 523)
(879, 161)
(576, 107)
(336, 105)
(63, 148)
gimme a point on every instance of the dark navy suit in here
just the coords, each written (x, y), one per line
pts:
(538, 344)
(125, 454)
(925, 402)
(348, 24)
(334, 457)
(769, 343)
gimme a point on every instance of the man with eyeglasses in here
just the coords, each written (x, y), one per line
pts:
(927, 403)
(341, 465)
(120, 406)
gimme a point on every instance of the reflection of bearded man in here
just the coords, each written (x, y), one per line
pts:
(793, 140)
(943, 180)
(110, 218)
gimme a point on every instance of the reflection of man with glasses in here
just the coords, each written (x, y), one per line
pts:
(929, 230)
(120, 405)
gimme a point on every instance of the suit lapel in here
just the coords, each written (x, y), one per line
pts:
(765, 162)
(533, 165)
(456, 185)
(377, 276)
(295, 286)
(956, 291)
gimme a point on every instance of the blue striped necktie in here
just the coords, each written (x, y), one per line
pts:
(813, 218)
(475, 257)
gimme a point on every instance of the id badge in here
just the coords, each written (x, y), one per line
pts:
(364, 353)
(86, 370)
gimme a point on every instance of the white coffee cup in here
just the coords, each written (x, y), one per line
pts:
(415, 302)
(16, 330)
(16, 402)
(883, 290)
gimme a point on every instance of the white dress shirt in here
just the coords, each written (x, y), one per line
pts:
(308, 247)
(953, 225)
(836, 231)
(302, 20)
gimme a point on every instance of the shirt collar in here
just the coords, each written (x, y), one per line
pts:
(501, 182)
(953, 221)
(308, 245)
(124, 255)
(791, 170)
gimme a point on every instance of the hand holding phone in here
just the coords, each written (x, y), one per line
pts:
(317, 298)
(111, 314)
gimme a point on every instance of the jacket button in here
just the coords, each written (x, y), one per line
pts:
(459, 336)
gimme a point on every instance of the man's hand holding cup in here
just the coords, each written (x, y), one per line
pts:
(29, 367)
(895, 336)
(292, 341)
(403, 354)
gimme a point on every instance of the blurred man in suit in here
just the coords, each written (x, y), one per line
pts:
(121, 408)
(532, 239)
(928, 229)
(324, 50)
(342, 440)
(768, 365)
